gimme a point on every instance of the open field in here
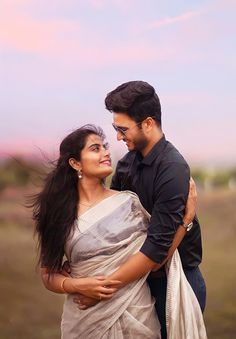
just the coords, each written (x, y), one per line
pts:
(218, 219)
(28, 311)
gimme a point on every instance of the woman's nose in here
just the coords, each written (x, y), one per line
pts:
(106, 152)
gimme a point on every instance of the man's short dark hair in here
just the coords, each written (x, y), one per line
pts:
(137, 99)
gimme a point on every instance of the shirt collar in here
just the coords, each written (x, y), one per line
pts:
(154, 152)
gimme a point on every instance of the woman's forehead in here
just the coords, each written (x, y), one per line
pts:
(94, 139)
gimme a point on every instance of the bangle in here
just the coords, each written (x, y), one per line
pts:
(62, 285)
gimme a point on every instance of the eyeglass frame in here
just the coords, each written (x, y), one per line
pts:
(123, 130)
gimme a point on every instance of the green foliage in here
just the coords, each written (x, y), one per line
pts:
(215, 178)
(221, 179)
(199, 175)
(17, 172)
(233, 173)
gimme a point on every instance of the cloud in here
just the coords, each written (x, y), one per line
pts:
(121, 5)
(84, 45)
(21, 32)
(81, 44)
(173, 20)
(68, 42)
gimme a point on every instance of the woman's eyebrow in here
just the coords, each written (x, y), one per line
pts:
(94, 145)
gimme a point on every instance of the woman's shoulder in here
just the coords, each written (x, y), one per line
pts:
(131, 194)
(125, 193)
(136, 200)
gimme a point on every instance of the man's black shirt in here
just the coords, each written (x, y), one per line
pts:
(161, 180)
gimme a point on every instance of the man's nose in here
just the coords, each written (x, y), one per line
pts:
(119, 136)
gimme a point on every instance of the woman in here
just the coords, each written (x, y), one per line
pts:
(98, 230)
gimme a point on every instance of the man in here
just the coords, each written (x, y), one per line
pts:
(157, 172)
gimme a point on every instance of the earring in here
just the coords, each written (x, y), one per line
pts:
(80, 176)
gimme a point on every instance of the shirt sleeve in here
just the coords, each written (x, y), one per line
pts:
(170, 196)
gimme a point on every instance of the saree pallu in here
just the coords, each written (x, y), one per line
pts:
(105, 237)
(183, 313)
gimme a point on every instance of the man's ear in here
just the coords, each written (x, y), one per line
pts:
(74, 164)
(149, 123)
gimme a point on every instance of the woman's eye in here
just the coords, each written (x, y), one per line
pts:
(95, 148)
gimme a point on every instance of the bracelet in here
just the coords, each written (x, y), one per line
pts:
(62, 285)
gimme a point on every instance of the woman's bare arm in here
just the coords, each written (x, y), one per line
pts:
(94, 287)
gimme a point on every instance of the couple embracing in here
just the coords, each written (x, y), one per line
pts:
(127, 278)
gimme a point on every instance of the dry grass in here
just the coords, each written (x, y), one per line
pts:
(218, 219)
(28, 311)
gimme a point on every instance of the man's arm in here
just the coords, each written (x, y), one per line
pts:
(170, 198)
(165, 231)
(139, 264)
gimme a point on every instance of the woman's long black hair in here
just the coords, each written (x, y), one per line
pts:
(55, 207)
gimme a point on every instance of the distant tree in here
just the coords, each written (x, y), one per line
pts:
(19, 172)
(199, 175)
(221, 179)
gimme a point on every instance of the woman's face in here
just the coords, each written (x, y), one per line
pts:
(95, 158)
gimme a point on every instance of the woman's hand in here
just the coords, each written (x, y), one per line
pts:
(190, 209)
(98, 288)
(84, 302)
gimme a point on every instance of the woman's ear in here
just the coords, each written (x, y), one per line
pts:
(74, 164)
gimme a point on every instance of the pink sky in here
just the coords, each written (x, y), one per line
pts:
(59, 59)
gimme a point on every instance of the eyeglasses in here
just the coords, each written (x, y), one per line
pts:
(123, 130)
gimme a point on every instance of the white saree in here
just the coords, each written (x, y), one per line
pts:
(105, 237)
